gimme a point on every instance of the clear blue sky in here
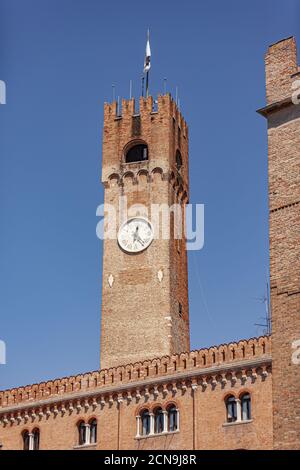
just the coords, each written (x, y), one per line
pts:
(59, 59)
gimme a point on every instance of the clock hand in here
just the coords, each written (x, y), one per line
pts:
(135, 234)
(140, 240)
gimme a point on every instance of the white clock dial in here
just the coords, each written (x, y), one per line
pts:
(135, 235)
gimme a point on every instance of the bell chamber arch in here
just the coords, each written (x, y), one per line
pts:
(136, 151)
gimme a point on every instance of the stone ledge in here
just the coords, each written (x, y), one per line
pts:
(161, 434)
(236, 423)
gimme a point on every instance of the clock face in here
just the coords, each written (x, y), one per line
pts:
(135, 235)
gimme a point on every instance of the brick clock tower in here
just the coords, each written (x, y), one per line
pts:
(145, 285)
(283, 115)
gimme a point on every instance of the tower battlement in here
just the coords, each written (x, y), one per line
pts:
(164, 105)
(157, 124)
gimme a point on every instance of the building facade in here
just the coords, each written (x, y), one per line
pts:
(152, 392)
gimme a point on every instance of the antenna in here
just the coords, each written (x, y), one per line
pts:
(176, 95)
(113, 92)
(268, 315)
(130, 89)
(143, 79)
(165, 86)
(118, 106)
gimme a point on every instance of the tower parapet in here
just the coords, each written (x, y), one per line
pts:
(162, 127)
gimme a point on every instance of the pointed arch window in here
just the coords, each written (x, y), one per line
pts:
(82, 433)
(145, 418)
(158, 421)
(172, 418)
(231, 409)
(26, 440)
(93, 431)
(36, 439)
(245, 406)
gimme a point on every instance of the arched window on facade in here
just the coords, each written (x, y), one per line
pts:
(158, 421)
(172, 418)
(137, 153)
(36, 439)
(82, 433)
(26, 440)
(178, 161)
(245, 406)
(31, 440)
(93, 431)
(231, 409)
(145, 418)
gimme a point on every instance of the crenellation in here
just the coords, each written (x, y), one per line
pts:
(134, 372)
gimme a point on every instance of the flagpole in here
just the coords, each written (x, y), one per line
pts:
(147, 84)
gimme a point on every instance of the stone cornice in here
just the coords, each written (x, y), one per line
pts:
(271, 108)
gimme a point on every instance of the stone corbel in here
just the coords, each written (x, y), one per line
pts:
(223, 381)
(120, 399)
(78, 406)
(253, 375)
(244, 377)
(5, 420)
(102, 401)
(233, 379)
(71, 408)
(214, 382)
(110, 400)
(204, 383)
(94, 404)
(183, 387)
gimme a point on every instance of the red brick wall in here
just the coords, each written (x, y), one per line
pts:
(140, 313)
(284, 202)
(197, 390)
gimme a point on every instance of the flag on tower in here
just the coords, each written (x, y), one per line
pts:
(147, 64)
